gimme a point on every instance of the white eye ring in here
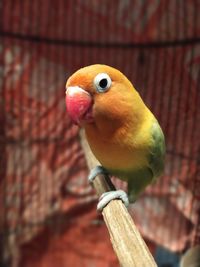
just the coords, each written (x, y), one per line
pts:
(102, 82)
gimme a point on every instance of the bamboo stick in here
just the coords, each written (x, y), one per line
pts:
(191, 258)
(127, 242)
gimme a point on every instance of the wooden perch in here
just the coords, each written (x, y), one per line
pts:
(127, 242)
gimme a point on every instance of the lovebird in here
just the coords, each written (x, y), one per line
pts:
(122, 132)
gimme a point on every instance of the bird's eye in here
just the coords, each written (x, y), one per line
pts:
(102, 82)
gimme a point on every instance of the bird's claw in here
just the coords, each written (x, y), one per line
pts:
(96, 171)
(106, 197)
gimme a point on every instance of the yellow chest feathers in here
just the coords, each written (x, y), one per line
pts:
(126, 148)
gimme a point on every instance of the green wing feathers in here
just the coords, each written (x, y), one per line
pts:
(157, 151)
(139, 179)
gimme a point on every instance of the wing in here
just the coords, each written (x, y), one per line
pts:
(157, 151)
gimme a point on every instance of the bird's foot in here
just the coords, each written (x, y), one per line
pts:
(96, 171)
(106, 197)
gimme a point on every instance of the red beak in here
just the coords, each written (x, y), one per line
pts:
(79, 105)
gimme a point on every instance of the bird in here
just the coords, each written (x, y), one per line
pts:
(121, 131)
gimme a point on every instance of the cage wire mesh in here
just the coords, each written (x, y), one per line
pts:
(43, 184)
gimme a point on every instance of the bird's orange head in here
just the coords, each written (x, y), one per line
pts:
(102, 97)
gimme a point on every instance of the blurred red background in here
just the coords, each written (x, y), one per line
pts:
(48, 210)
